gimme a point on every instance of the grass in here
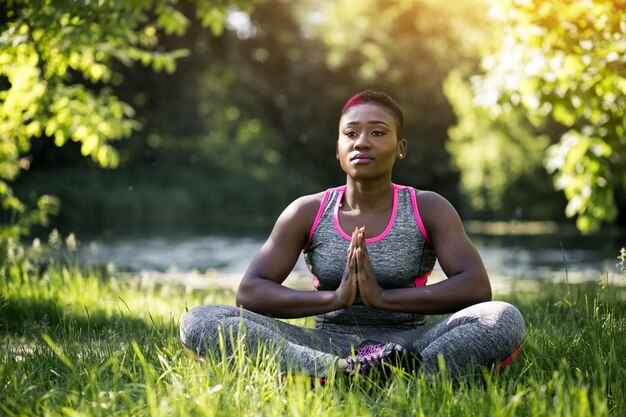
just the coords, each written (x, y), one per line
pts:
(79, 342)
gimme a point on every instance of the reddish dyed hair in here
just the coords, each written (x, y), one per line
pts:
(353, 101)
(380, 99)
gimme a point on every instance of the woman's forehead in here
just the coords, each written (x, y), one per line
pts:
(366, 113)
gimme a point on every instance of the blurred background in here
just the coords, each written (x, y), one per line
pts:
(229, 111)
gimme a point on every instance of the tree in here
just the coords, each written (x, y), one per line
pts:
(407, 48)
(260, 99)
(493, 153)
(560, 73)
(57, 75)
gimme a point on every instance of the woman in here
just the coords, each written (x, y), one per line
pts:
(370, 246)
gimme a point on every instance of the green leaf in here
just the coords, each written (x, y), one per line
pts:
(90, 144)
(172, 21)
(563, 114)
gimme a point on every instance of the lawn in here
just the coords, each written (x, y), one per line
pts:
(87, 342)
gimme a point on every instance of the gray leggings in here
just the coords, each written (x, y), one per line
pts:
(484, 334)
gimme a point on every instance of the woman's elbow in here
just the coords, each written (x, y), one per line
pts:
(240, 300)
(480, 290)
(484, 292)
(242, 297)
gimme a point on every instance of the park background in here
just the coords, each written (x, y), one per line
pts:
(146, 147)
(229, 111)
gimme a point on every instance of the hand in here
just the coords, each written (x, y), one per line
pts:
(369, 289)
(347, 290)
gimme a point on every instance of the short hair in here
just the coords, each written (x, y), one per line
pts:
(381, 99)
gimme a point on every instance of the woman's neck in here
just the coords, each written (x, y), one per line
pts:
(368, 195)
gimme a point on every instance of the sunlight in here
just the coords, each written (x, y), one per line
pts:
(239, 22)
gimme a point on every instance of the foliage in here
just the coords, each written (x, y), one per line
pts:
(266, 96)
(560, 70)
(175, 198)
(485, 173)
(386, 39)
(258, 100)
(57, 76)
(407, 48)
(90, 342)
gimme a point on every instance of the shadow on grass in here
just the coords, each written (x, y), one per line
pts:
(29, 319)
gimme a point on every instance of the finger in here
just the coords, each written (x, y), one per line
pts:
(356, 237)
(363, 263)
(359, 257)
(353, 264)
(360, 264)
(353, 241)
(365, 252)
(362, 242)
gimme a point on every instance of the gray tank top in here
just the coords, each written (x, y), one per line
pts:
(401, 257)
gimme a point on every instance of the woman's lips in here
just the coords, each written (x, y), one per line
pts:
(361, 158)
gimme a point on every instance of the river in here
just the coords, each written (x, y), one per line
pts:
(508, 256)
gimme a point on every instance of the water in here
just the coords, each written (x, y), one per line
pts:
(505, 256)
(555, 257)
(221, 254)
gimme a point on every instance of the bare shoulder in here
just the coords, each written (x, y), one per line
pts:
(431, 201)
(304, 208)
(298, 217)
(437, 213)
(279, 253)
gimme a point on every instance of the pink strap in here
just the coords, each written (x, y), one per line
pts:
(318, 216)
(418, 218)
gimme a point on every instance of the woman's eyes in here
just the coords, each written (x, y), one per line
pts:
(355, 134)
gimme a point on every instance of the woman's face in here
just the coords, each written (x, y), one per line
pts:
(368, 145)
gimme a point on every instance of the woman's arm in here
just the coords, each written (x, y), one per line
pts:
(261, 289)
(467, 281)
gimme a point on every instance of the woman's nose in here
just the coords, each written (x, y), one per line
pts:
(363, 141)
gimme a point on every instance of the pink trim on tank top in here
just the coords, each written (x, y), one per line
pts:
(318, 217)
(416, 212)
(392, 218)
(421, 281)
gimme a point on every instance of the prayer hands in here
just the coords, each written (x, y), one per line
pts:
(369, 289)
(358, 275)
(346, 293)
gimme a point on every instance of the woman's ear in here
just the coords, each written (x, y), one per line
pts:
(401, 149)
(337, 150)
